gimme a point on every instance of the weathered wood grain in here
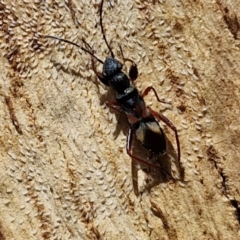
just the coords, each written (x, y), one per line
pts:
(65, 173)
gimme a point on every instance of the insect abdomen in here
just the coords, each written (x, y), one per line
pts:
(151, 136)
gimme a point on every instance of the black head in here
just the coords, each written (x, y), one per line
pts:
(111, 66)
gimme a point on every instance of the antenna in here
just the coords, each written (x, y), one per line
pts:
(103, 33)
(76, 45)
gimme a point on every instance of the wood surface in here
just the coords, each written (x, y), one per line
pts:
(65, 173)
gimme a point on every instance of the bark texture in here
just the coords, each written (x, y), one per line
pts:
(65, 173)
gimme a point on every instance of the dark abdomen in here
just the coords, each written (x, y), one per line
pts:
(151, 136)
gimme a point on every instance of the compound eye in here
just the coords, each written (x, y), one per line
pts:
(133, 72)
(119, 66)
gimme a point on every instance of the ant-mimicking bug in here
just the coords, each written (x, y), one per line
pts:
(142, 119)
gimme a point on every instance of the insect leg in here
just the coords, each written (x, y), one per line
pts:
(114, 105)
(129, 152)
(135, 178)
(148, 89)
(170, 125)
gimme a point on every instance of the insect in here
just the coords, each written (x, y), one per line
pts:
(142, 119)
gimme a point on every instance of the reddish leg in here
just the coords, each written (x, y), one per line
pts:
(161, 117)
(135, 178)
(129, 150)
(114, 105)
(148, 89)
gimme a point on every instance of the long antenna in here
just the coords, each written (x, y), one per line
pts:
(103, 33)
(72, 43)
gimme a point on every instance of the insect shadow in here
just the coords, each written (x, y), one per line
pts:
(162, 173)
